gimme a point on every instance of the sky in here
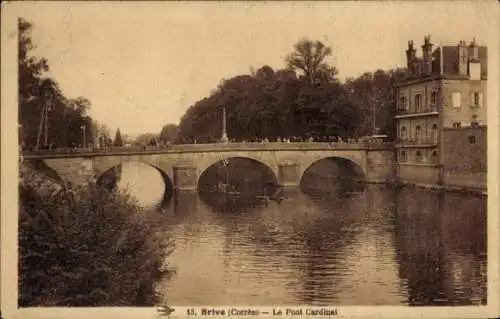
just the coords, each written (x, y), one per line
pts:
(142, 64)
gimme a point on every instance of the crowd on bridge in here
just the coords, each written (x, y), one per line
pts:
(293, 139)
(163, 146)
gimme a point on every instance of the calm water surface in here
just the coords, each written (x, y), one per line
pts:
(375, 246)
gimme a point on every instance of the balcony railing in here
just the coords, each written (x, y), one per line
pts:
(432, 109)
(418, 141)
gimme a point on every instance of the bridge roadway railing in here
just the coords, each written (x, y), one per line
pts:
(218, 147)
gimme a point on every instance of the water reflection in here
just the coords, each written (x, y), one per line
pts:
(441, 241)
(351, 245)
(149, 185)
(376, 246)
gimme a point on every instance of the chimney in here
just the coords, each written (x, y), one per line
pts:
(474, 52)
(474, 63)
(427, 55)
(463, 58)
(410, 56)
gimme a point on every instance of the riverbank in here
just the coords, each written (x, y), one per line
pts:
(444, 188)
(96, 227)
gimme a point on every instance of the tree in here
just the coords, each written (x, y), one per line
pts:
(118, 138)
(103, 133)
(74, 249)
(146, 139)
(309, 57)
(374, 95)
(169, 133)
(276, 103)
(38, 92)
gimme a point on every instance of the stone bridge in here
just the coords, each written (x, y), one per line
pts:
(184, 164)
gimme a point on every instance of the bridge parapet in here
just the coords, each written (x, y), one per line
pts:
(190, 148)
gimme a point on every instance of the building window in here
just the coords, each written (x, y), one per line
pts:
(434, 98)
(457, 124)
(417, 132)
(456, 98)
(435, 133)
(419, 157)
(476, 99)
(403, 157)
(418, 101)
(402, 103)
(472, 139)
(402, 133)
(474, 122)
(434, 157)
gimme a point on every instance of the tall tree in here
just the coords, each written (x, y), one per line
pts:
(61, 125)
(118, 138)
(373, 93)
(309, 57)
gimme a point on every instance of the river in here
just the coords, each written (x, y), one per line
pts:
(373, 246)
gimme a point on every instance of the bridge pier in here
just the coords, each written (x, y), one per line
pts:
(185, 178)
(289, 174)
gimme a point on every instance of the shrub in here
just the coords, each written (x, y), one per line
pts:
(89, 247)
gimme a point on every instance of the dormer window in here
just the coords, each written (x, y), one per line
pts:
(475, 70)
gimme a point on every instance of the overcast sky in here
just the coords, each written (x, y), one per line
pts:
(142, 64)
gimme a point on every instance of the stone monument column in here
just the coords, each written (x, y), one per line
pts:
(224, 138)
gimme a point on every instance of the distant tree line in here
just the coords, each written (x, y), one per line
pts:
(304, 99)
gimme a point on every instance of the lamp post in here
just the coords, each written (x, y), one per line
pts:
(83, 127)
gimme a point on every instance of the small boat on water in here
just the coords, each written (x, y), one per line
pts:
(267, 199)
(230, 193)
(225, 189)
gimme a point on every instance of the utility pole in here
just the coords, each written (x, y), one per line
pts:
(40, 127)
(47, 109)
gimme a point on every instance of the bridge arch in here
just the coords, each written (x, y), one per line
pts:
(357, 159)
(346, 169)
(168, 183)
(205, 166)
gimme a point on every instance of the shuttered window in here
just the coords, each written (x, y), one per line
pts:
(476, 99)
(456, 98)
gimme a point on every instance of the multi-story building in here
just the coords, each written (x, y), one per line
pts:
(441, 115)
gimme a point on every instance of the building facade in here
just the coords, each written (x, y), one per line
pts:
(441, 115)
